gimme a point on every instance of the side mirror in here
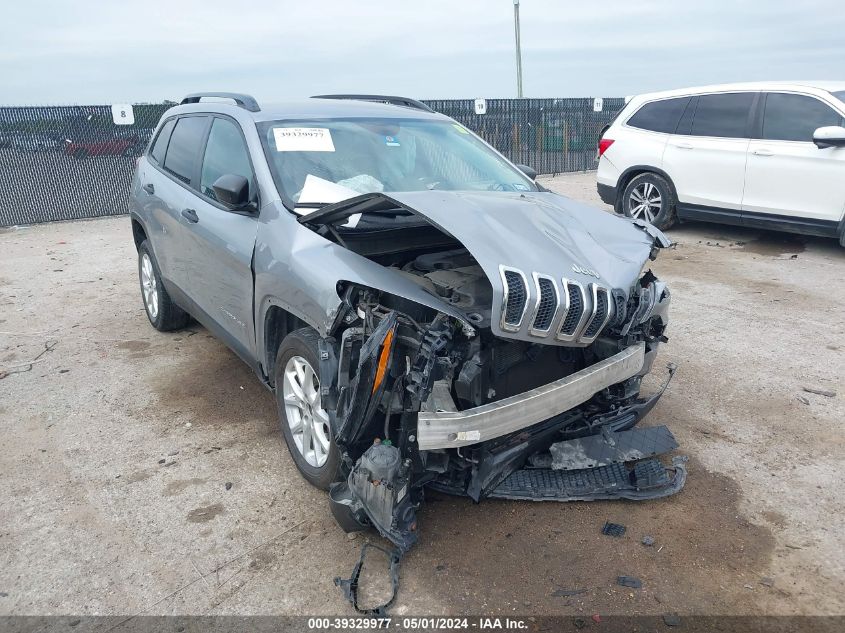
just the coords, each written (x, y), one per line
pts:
(829, 136)
(528, 171)
(232, 190)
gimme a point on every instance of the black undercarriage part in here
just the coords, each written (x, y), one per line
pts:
(649, 479)
(611, 448)
(609, 465)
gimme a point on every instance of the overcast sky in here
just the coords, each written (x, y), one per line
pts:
(87, 51)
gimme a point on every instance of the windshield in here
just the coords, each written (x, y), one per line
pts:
(839, 94)
(325, 161)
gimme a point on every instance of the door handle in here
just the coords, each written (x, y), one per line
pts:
(762, 152)
(190, 215)
(683, 146)
(149, 188)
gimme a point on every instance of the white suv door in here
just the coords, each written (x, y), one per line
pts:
(786, 173)
(706, 156)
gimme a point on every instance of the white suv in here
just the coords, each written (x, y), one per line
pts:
(769, 155)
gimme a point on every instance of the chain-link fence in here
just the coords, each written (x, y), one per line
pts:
(70, 162)
(551, 135)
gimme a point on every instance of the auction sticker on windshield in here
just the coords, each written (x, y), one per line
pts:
(303, 139)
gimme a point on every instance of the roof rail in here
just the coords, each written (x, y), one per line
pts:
(400, 101)
(246, 102)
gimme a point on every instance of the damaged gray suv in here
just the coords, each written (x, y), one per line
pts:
(427, 316)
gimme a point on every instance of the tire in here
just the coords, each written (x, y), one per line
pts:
(303, 421)
(164, 315)
(649, 197)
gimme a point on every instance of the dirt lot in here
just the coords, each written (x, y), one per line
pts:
(120, 444)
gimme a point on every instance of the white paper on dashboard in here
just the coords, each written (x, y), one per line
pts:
(318, 189)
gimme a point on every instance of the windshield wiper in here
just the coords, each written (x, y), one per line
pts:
(311, 205)
(341, 211)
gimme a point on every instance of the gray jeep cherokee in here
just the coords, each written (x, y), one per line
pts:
(425, 313)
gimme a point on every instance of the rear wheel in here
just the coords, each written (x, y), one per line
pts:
(305, 423)
(649, 197)
(164, 315)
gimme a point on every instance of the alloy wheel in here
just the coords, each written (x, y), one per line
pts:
(645, 201)
(308, 421)
(149, 287)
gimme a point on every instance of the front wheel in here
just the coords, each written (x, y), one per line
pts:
(305, 423)
(649, 197)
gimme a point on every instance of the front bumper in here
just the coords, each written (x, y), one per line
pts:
(453, 429)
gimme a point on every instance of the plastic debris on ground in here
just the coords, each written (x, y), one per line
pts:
(350, 586)
(613, 529)
(629, 581)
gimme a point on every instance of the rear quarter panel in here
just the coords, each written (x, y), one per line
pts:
(631, 147)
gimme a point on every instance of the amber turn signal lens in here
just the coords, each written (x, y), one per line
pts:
(381, 370)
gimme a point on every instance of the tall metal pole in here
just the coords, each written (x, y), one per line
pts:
(518, 49)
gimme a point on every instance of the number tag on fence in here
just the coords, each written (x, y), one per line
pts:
(122, 114)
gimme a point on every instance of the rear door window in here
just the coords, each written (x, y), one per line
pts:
(160, 144)
(659, 116)
(225, 153)
(723, 115)
(789, 117)
(184, 147)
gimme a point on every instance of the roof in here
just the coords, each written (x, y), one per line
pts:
(314, 109)
(827, 86)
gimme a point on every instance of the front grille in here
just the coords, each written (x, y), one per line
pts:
(600, 314)
(517, 296)
(576, 309)
(547, 305)
(569, 312)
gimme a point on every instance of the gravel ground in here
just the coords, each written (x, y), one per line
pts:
(120, 445)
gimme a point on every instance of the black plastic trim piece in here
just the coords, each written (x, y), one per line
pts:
(758, 107)
(607, 193)
(350, 586)
(247, 102)
(605, 482)
(758, 220)
(790, 223)
(699, 212)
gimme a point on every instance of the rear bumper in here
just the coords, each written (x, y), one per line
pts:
(453, 429)
(607, 193)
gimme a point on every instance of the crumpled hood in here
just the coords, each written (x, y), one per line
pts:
(533, 232)
(537, 232)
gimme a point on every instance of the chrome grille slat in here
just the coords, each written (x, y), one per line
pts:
(545, 305)
(514, 299)
(599, 315)
(575, 312)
